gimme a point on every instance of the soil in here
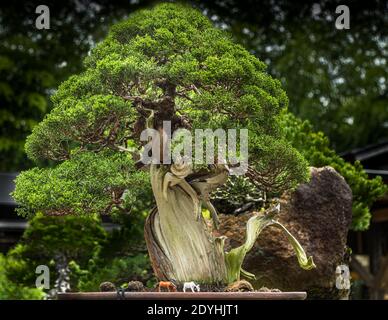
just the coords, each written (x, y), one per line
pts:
(238, 286)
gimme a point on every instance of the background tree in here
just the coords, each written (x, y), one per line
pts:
(336, 79)
(171, 61)
(315, 147)
(79, 244)
(34, 62)
(52, 241)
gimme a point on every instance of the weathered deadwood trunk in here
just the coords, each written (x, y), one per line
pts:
(180, 245)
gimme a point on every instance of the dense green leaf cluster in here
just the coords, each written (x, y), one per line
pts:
(89, 122)
(237, 193)
(87, 183)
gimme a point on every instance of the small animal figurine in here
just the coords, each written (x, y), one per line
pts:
(191, 285)
(167, 285)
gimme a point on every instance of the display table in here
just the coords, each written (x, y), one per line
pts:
(183, 296)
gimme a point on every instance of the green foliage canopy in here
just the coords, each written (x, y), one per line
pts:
(171, 60)
(87, 183)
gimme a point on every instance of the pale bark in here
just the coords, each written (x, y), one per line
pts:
(179, 241)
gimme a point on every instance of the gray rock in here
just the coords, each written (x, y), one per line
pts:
(318, 214)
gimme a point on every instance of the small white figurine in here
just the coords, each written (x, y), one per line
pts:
(191, 285)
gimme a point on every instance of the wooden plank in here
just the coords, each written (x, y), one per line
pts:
(379, 278)
(183, 296)
(363, 272)
(380, 215)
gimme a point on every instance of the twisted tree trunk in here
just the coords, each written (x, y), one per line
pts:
(180, 245)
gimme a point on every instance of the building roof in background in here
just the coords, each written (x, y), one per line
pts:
(7, 185)
(367, 152)
(373, 173)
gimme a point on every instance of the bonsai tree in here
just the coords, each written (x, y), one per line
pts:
(166, 64)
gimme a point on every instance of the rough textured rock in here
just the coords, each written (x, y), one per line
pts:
(239, 286)
(318, 214)
(107, 287)
(265, 289)
(135, 286)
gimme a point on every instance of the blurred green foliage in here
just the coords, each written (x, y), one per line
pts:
(119, 271)
(316, 149)
(33, 63)
(11, 290)
(92, 254)
(336, 79)
(48, 240)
